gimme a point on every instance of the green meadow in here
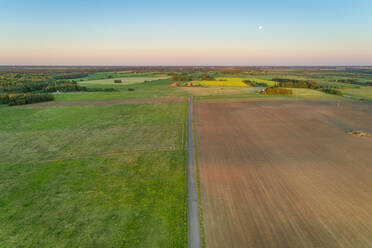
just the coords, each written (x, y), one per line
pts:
(156, 88)
(105, 175)
(94, 176)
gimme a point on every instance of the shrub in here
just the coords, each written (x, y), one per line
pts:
(333, 91)
(118, 81)
(276, 91)
(254, 83)
(130, 89)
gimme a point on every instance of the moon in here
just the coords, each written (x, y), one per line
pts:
(260, 27)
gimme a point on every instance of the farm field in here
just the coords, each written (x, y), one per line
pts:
(285, 173)
(361, 93)
(223, 81)
(93, 176)
(125, 80)
(152, 89)
(104, 164)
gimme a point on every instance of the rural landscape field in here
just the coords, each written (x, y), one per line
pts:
(185, 124)
(100, 157)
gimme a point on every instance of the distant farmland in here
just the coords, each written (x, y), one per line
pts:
(285, 173)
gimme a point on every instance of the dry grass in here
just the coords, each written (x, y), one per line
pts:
(285, 173)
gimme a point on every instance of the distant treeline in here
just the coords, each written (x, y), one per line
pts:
(61, 86)
(353, 81)
(70, 76)
(25, 88)
(21, 99)
(295, 83)
(185, 77)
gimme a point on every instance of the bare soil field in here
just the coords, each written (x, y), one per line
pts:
(285, 173)
(105, 102)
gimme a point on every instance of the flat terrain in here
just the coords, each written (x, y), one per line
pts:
(153, 89)
(285, 173)
(364, 93)
(125, 80)
(94, 176)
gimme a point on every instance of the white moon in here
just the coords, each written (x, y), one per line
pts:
(260, 27)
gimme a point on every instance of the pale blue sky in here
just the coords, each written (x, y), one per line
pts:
(203, 32)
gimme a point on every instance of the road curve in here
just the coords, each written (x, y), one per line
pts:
(194, 239)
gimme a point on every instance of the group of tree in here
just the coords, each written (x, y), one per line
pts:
(181, 77)
(254, 83)
(21, 99)
(187, 77)
(333, 91)
(276, 91)
(25, 88)
(206, 77)
(295, 83)
(70, 76)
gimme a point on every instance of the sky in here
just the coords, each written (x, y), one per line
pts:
(186, 32)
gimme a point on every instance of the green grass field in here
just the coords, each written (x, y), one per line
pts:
(96, 176)
(156, 88)
(112, 175)
(125, 80)
(115, 75)
(363, 93)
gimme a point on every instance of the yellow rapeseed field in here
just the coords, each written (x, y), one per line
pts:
(223, 81)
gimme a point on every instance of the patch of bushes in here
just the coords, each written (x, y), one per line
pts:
(75, 88)
(276, 91)
(118, 81)
(333, 91)
(295, 83)
(64, 88)
(21, 99)
(254, 83)
(207, 77)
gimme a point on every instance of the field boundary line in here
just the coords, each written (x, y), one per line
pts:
(194, 237)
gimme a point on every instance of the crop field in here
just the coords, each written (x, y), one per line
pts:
(361, 93)
(93, 176)
(208, 91)
(116, 75)
(156, 88)
(285, 173)
(223, 81)
(87, 162)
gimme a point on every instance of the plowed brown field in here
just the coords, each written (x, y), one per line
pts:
(285, 173)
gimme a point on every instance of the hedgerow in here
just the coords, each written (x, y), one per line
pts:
(21, 99)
